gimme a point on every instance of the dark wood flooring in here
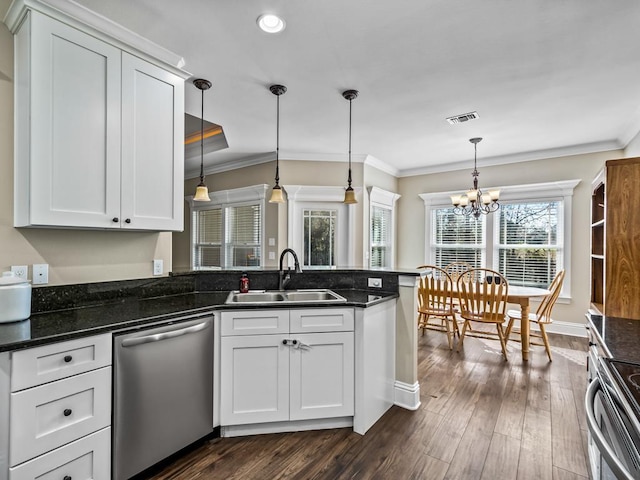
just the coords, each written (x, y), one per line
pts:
(480, 418)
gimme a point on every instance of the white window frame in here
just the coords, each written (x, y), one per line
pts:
(381, 198)
(223, 199)
(300, 197)
(560, 190)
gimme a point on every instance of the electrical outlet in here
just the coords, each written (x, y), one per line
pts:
(20, 271)
(375, 282)
(40, 273)
(158, 268)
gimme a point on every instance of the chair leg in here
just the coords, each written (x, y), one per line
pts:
(503, 343)
(445, 322)
(545, 339)
(464, 330)
(509, 327)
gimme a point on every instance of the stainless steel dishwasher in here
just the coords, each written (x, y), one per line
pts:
(163, 392)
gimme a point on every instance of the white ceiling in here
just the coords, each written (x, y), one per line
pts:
(547, 77)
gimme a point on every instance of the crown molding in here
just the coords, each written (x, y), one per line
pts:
(375, 162)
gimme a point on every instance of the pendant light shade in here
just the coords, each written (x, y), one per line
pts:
(349, 193)
(276, 193)
(202, 192)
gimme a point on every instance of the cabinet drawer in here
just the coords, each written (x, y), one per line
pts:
(39, 365)
(87, 458)
(322, 320)
(254, 322)
(48, 416)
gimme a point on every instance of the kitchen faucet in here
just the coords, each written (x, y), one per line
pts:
(284, 278)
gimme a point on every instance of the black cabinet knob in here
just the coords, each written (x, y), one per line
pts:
(285, 342)
(68, 358)
(128, 220)
(67, 412)
(591, 344)
(67, 477)
(295, 342)
(115, 220)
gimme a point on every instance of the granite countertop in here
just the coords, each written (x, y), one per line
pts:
(619, 335)
(59, 325)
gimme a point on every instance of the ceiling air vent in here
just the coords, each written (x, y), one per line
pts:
(465, 117)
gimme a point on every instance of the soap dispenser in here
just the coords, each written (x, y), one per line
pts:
(244, 283)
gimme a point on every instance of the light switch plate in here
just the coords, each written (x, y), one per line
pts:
(158, 267)
(40, 273)
(272, 255)
(375, 282)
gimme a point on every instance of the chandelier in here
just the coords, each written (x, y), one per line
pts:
(474, 202)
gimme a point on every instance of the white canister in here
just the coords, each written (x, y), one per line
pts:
(15, 298)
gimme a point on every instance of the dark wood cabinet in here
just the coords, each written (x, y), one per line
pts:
(615, 239)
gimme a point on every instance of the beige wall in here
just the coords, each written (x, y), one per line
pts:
(292, 172)
(633, 149)
(74, 256)
(411, 246)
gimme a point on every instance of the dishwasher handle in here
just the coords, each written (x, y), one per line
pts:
(596, 434)
(157, 337)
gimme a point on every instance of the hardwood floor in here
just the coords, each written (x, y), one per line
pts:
(480, 418)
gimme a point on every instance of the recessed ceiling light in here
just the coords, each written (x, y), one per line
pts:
(270, 23)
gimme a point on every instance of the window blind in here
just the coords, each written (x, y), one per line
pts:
(208, 234)
(243, 235)
(457, 238)
(380, 237)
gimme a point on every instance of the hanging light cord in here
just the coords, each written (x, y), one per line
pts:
(202, 137)
(278, 140)
(475, 172)
(349, 178)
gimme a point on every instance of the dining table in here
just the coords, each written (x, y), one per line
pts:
(521, 296)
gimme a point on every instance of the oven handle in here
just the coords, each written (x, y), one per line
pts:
(596, 434)
(132, 342)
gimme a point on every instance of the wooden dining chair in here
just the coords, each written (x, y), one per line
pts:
(483, 299)
(435, 308)
(455, 269)
(542, 315)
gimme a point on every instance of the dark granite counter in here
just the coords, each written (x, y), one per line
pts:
(619, 335)
(58, 325)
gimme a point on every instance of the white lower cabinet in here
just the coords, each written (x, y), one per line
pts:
(59, 412)
(288, 376)
(87, 458)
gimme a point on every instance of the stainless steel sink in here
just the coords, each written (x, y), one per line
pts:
(285, 297)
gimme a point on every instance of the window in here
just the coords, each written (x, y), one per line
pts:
(319, 238)
(321, 228)
(227, 232)
(381, 227)
(457, 238)
(528, 247)
(526, 240)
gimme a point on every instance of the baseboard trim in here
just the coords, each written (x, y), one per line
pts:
(291, 426)
(561, 328)
(407, 395)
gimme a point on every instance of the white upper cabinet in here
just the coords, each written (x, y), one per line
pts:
(99, 129)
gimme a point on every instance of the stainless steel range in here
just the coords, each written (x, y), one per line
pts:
(613, 399)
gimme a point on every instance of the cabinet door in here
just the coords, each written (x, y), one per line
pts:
(254, 381)
(322, 376)
(152, 146)
(71, 154)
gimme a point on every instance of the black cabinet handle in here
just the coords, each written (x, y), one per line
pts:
(295, 342)
(128, 220)
(591, 344)
(67, 477)
(67, 412)
(68, 358)
(115, 220)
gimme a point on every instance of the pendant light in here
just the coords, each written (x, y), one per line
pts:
(276, 193)
(202, 192)
(474, 202)
(349, 193)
